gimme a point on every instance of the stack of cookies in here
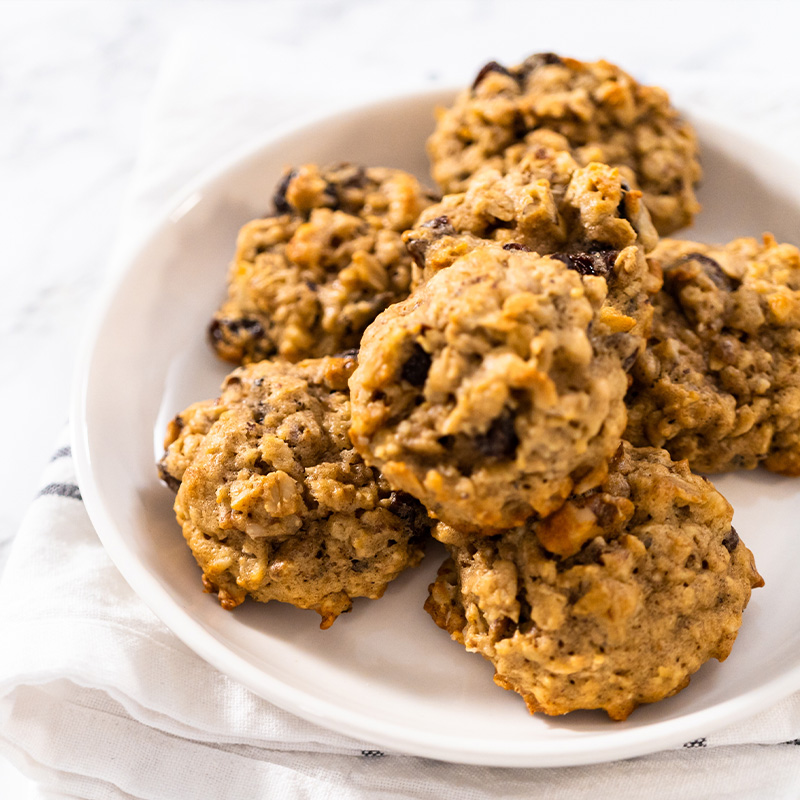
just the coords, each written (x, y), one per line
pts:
(519, 367)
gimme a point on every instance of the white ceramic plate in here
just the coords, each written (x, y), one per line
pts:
(385, 673)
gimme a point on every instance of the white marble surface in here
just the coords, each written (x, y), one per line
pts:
(75, 77)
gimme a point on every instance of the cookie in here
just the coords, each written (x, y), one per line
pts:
(273, 500)
(495, 389)
(306, 282)
(613, 601)
(601, 111)
(546, 203)
(582, 216)
(719, 382)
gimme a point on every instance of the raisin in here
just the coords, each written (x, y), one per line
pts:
(169, 479)
(492, 66)
(621, 210)
(279, 198)
(411, 511)
(332, 197)
(261, 467)
(439, 226)
(215, 331)
(517, 246)
(415, 370)
(731, 540)
(501, 440)
(351, 353)
(595, 263)
(357, 180)
(534, 62)
(711, 268)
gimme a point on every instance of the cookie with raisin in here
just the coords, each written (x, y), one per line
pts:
(613, 601)
(495, 389)
(306, 281)
(718, 383)
(274, 501)
(601, 111)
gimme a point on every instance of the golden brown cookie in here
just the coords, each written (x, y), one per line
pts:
(546, 203)
(273, 500)
(719, 382)
(306, 282)
(601, 111)
(613, 601)
(495, 388)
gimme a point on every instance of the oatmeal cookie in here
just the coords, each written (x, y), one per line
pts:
(547, 204)
(719, 382)
(306, 282)
(494, 389)
(602, 112)
(582, 216)
(274, 501)
(613, 601)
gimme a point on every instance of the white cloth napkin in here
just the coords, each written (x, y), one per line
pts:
(99, 700)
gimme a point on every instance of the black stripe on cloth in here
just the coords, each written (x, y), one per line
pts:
(69, 490)
(697, 743)
(62, 452)
(372, 753)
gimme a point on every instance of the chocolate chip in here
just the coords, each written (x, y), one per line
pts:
(501, 440)
(492, 66)
(279, 198)
(595, 263)
(415, 370)
(358, 565)
(731, 540)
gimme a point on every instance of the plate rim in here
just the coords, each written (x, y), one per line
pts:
(593, 747)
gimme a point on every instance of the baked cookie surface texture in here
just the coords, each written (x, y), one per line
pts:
(273, 500)
(719, 382)
(494, 389)
(601, 111)
(305, 282)
(546, 203)
(613, 601)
